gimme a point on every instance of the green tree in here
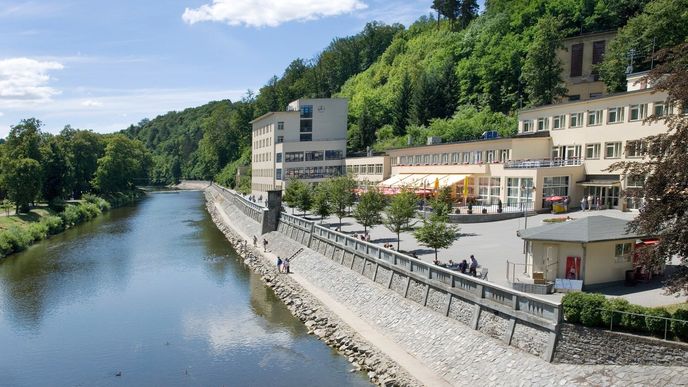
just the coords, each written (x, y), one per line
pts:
(23, 182)
(85, 148)
(402, 106)
(124, 162)
(368, 211)
(341, 195)
(292, 193)
(58, 172)
(666, 178)
(6, 205)
(542, 68)
(424, 94)
(400, 214)
(304, 198)
(321, 201)
(366, 128)
(436, 233)
(24, 140)
(467, 11)
(662, 24)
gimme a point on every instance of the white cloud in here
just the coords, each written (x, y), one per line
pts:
(271, 13)
(2, 114)
(23, 80)
(91, 103)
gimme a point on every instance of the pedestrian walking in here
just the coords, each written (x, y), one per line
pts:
(255, 241)
(286, 265)
(473, 269)
(265, 245)
(584, 203)
(279, 264)
(591, 202)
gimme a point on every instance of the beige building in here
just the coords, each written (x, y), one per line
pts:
(595, 250)
(598, 133)
(307, 141)
(369, 170)
(579, 56)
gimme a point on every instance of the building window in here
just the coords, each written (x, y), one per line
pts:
(519, 190)
(622, 252)
(637, 112)
(280, 139)
(635, 148)
(314, 156)
(417, 159)
(575, 97)
(378, 169)
(612, 150)
(466, 157)
(426, 159)
(556, 152)
(575, 120)
(594, 117)
(595, 95)
(542, 124)
(357, 169)
(559, 122)
(660, 109)
(435, 159)
(489, 190)
(527, 126)
(402, 160)
(280, 125)
(478, 158)
(491, 156)
(504, 155)
(445, 158)
(455, 158)
(592, 151)
(306, 126)
(307, 111)
(278, 173)
(573, 152)
(334, 155)
(615, 115)
(598, 49)
(278, 157)
(293, 157)
(635, 181)
(555, 186)
(576, 60)
(306, 137)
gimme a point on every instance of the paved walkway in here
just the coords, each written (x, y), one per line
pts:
(495, 243)
(457, 353)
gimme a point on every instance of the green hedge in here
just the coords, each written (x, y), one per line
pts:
(594, 310)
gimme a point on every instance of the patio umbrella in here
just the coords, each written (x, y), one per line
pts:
(554, 198)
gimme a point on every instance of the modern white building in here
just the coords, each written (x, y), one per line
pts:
(307, 142)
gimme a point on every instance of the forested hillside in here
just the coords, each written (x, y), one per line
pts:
(455, 75)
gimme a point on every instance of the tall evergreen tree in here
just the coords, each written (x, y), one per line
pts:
(366, 128)
(467, 11)
(542, 69)
(402, 106)
(424, 93)
(447, 95)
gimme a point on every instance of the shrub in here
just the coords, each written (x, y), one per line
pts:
(654, 325)
(18, 238)
(680, 329)
(71, 216)
(6, 247)
(633, 322)
(54, 224)
(37, 231)
(613, 304)
(57, 204)
(583, 308)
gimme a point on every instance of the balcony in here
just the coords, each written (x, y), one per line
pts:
(542, 163)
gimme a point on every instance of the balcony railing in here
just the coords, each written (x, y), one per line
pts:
(542, 163)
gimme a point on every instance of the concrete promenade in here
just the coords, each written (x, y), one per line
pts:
(453, 351)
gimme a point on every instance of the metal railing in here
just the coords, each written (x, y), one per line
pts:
(252, 210)
(542, 163)
(667, 320)
(498, 297)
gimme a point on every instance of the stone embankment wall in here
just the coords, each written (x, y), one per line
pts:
(581, 345)
(319, 321)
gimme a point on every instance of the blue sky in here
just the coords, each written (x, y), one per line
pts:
(104, 65)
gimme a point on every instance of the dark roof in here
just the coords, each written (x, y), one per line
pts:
(590, 229)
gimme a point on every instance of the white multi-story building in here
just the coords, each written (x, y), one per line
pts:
(307, 142)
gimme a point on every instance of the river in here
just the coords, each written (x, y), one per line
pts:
(154, 292)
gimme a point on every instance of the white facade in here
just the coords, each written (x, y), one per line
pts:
(308, 142)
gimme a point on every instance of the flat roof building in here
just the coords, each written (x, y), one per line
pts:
(307, 141)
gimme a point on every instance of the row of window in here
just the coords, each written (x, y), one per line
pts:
(615, 115)
(262, 187)
(264, 130)
(471, 157)
(612, 150)
(309, 172)
(263, 172)
(260, 157)
(295, 157)
(366, 169)
(262, 143)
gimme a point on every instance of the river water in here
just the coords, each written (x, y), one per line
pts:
(155, 292)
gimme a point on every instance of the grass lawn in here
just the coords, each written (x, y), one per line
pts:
(22, 220)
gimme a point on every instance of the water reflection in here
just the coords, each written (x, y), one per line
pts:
(157, 292)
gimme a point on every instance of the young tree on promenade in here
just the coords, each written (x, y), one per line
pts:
(368, 212)
(542, 69)
(292, 193)
(341, 195)
(665, 212)
(304, 198)
(321, 202)
(400, 213)
(435, 232)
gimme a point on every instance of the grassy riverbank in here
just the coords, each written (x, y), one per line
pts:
(17, 232)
